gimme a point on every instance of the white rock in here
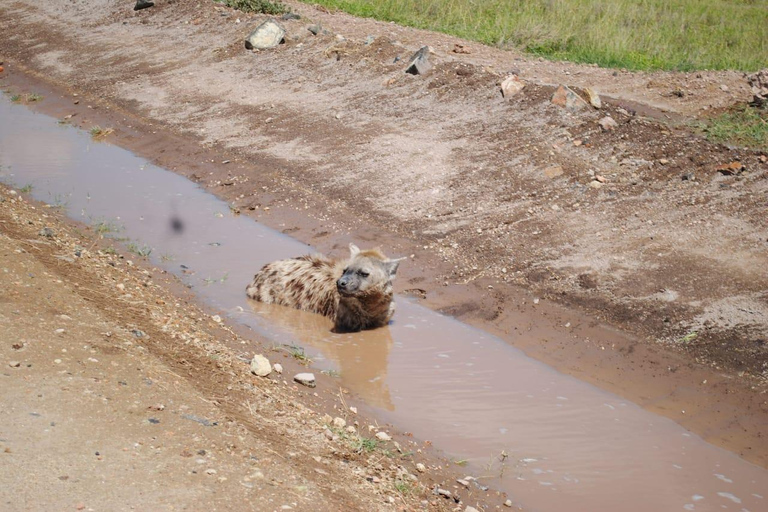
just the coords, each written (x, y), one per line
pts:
(594, 98)
(470, 509)
(421, 467)
(216, 318)
(511, 86)
(267, 35)
(508, 503)
(278, 367)
(307, 379)
(339, 422)
(607, 123)
(260, 366)
(383, 436)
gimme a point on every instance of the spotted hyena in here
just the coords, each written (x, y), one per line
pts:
(356, 292)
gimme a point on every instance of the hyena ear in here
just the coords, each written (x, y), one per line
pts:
(391, 266)
(354, 250)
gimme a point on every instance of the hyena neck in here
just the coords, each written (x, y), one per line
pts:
(364, 312)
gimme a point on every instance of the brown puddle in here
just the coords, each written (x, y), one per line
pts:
(551, 441)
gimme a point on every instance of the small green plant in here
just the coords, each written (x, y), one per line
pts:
(143, 250)
(367, 444)
(258, 6)
(331, 373)
(742, 126)
(462, 462)
(16, 98)
(405, 488)
(688, 337)
(105, 227)
(167, 257)
(33, 97)
(221, 280)
(26, 189)
(110, 250)
(298, 353)
(97, 132)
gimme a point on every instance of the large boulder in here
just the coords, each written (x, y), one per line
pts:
(267, 35)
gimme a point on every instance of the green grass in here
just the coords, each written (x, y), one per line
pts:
(742, 126)
(97, 132)
(139, 250)
(26, 189)
(259, 6)
(634, 34)
(298, 353)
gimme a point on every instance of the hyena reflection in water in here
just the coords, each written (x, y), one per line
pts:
(356, 292)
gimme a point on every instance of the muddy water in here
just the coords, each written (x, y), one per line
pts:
(551, 441)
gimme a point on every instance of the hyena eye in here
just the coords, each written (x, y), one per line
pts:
(364, 274)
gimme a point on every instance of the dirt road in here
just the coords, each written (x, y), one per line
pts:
(505, 204)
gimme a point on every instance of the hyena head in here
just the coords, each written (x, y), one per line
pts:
(367, 272)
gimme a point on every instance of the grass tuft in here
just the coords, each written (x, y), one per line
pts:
(258, 6)
(97, 132)
(634, 34)
(742, 126)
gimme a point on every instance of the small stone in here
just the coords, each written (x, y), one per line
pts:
(511, 86)
(553, 171)
(463, 482)
(419, 63)
(47, 232)
(80, 506)
(383, 436)
(607, 123)
(306, 379)
(267, 35)
(216, 318)
(508, 503)
(142, 4)
(328, 434)
(731, 168)
(663, 161)
(351, 429)
(444, 492)
(595, 184)
(260, 366)
(210, 471)
(723, 87)
(14, 364)
(420, 467)
(470, 509)
(566, 98)
(339, 422)
(594, 98)
(278, 367)
(315, 29)
(599, 178)
(353, 410)
(120, 286)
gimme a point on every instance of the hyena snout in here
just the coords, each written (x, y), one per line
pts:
(346, 285)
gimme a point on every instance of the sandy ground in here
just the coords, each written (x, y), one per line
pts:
(120, 394)
(499, 201)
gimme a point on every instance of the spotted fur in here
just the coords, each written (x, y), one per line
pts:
(356, 292)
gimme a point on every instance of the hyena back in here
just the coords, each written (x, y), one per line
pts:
(356, 293)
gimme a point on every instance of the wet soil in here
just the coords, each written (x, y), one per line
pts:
(495, 199)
